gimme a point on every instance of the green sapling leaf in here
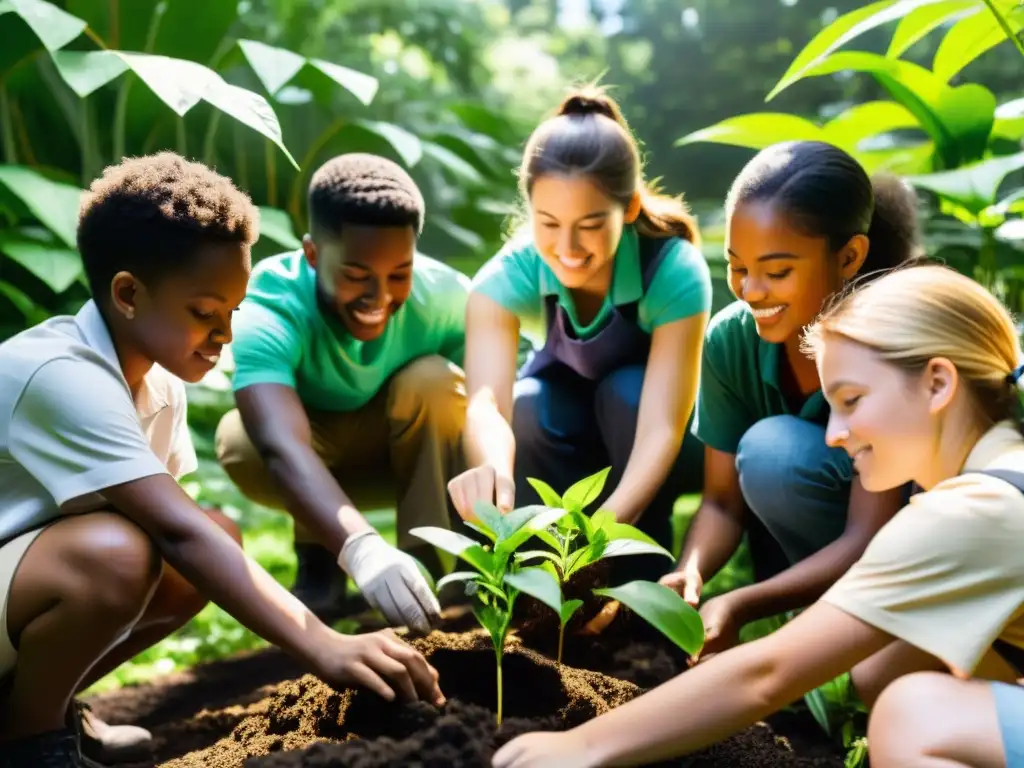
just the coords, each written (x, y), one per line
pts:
(584, 492)
(540, 520)
(546, 492)
(621, 547)
(490, 516)
(481, 529)
(458, 545)
(569, 607)
(455, 576)
(664, 609)
(537, 583)
(550, 539)
(534, 554)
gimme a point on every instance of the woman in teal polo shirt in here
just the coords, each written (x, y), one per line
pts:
(612, 271)
(804, 218)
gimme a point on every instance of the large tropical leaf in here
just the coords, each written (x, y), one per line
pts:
(664, 609)
(54, 27)
(862, 121)
(178, 83)
(276, 225)
(974, 35)
(755, 131)
(958, 119)
(55, 265)
(973, 187)
(276, 67)
(841, 31)
(52, 203)
(920, 21)
(1010, 120)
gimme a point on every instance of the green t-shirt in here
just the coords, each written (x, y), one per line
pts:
(281, 337)
(740, 382)
(518, 279)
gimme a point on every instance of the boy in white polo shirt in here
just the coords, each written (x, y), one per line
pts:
(101, 552)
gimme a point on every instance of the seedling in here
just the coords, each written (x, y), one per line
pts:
(578, 541)
(498, 579)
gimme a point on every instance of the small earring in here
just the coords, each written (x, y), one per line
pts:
(129, 313)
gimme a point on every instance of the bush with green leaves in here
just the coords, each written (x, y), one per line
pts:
(500, 575)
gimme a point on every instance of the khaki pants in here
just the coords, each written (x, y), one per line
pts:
(399, 450)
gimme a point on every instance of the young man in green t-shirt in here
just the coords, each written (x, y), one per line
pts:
(349, 389)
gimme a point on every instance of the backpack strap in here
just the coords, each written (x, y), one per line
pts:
(652, 253)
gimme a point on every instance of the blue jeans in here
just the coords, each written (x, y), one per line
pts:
(567, 427)
(1010, 707)
(797, 488)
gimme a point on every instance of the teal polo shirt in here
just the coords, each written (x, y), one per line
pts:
(281, 337)
(740, 382)
(518, 279)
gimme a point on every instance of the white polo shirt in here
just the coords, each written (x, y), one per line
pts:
(69, 427)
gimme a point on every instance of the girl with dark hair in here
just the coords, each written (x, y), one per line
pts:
(613, 272)
(803, 219)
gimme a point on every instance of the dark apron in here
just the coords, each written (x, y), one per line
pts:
(619, 343)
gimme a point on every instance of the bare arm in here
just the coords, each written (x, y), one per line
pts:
(717, 527)
(279, 428)
(711, 701)
(492, 336)
(210, 559)
(806, 581)
(669, 392)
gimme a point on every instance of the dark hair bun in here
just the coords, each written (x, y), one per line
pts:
(588, 104)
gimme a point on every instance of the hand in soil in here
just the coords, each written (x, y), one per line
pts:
(483, 483)
(688, 584)
(544, 750)
(721, 628)
(390, 581)
(376, 659)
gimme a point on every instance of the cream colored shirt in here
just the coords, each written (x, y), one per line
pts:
(69, 426)
(946, 574)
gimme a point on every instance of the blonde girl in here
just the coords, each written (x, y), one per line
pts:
(920, 369)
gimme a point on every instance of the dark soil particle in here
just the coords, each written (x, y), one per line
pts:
(238, 712)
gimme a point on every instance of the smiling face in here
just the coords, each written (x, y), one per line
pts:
(183, 321)
(364, 275)
(577, 229)
(884, 417)
(783, 274)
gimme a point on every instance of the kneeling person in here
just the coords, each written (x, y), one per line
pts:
(349, 390)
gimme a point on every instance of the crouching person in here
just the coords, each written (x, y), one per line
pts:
(349, 390)
(101, 552)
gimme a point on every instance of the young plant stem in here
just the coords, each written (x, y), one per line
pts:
(498, 655)
(561, 637)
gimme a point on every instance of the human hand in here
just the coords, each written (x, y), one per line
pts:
(390, 580)
(687, 582)
(483, 483)
(545, 750)
(381, 662)
(721, 627)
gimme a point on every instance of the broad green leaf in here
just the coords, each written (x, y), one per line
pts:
(32, 312)
(973, 187)
(520, 516)
(248, 108)
(583, 557)
(57, 267)
(488, 515)
(550, 539)
(1011, 231)
(454, 576)
(535, 554)
(495, 621)
(273, 66)
(755, 131)
(276, 225)
(959, 119)
(569, 607)
(54, 27)
(915, 159)
(362, 86)
(583, 493)
(546, 492)
(88, 71)
(841, 31)
(602, 519)
(481, 530)
(545, 517)
(918, 23)
(862, 121)
(973, 36)
(54, 204)
(486, 585)
(1010, 120)
(537, 583)
(662, 608)
(451, 162)
(621, 547)
(458, 545)
(624, 532)
(815, 701)
(406, 144)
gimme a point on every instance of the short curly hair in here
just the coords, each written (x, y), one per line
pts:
(149, 215)
(361, 188)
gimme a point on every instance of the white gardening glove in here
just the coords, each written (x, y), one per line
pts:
(390, 580)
